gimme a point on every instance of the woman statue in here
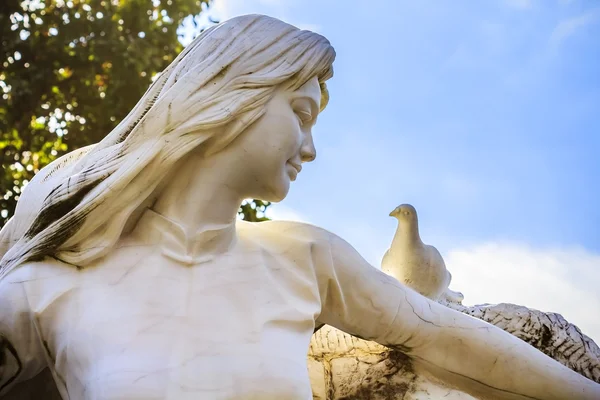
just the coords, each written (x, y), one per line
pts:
(127, 273)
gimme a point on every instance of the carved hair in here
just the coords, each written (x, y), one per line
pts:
(77, 207)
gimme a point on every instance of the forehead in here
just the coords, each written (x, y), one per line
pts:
(310, 89)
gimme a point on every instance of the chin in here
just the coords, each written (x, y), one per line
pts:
(277, 196)
(277, 193)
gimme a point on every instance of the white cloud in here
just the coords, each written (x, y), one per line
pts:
(570, 26)
(566, 281)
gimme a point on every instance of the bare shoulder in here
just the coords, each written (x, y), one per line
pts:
(290, 232)
(294, 230)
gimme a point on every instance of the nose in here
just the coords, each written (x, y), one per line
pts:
(308, 152)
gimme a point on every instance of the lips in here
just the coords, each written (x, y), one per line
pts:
(293, 170)
(297, 167)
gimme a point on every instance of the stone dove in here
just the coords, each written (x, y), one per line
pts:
(409, 260)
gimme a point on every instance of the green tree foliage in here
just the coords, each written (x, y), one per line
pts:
(254, 210)
(70, 70)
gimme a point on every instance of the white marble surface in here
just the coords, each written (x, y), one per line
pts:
(127, 274)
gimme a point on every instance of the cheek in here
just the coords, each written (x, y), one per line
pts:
(292, 136)
(273, 141)
(284, 139)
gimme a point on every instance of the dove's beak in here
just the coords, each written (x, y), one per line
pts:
(394, 212)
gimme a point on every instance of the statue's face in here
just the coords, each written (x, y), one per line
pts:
(274, 147)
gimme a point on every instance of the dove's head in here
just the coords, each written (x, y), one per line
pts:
(404, 212)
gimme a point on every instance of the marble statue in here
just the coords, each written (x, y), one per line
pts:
(126, 275)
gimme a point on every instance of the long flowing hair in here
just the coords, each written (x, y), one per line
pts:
(76, 208)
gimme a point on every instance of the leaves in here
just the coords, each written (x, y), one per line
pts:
(70, 70)
(254, 210)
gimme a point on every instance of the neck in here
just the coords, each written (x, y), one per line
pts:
(194, 217)
(197, 196)
(407, 234)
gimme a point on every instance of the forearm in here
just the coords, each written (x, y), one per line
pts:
(485, 355)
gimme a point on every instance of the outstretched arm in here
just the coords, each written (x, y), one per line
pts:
(474, 355)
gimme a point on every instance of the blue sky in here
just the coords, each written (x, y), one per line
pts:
(483, 115)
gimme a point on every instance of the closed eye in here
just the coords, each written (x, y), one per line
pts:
(305, 109)
(303, 116)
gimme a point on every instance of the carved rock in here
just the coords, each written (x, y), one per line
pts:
(342, 366)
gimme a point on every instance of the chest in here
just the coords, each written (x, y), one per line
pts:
(249, 315)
